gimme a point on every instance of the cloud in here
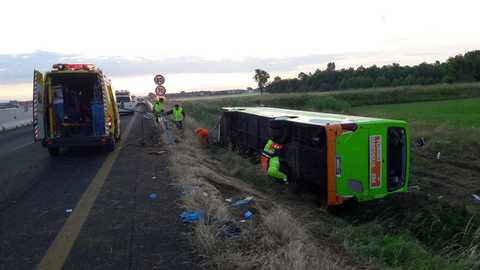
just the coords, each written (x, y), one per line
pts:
(18, 68)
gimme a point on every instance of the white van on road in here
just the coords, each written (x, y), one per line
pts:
(126, 104)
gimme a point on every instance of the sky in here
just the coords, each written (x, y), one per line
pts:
(212, 45)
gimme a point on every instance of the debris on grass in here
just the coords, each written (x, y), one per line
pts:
(420, 142)
(476, 198)
(247, 215)
(414, 188)
(228, 200)
(438, 155)
(69, 210)
(191, 216)
(244, 202)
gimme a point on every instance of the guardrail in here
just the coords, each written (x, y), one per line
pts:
(13, 118)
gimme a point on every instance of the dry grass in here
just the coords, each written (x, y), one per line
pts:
(273, 239)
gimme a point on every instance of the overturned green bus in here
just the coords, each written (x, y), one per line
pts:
(343, 156)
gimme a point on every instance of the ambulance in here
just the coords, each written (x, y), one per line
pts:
(74, 105)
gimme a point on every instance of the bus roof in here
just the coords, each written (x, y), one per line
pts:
(307, 117)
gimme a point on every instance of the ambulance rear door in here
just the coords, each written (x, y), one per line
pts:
(38, 106)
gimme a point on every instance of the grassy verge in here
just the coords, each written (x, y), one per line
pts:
(403, 232)
(272, 239)
(412, 231)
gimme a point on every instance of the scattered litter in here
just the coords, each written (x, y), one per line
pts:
(69, 210)
(152, 196)
(243, 221)
(191, 216)
(476, 198)
(157, 153)
(440, 197)
(246, 201)
(438, 155)
(205, 194)
(228, 200)
(413, 188)
(420, 142)
(154, 177)
(247, 215)
(188, 190)
(230, 230)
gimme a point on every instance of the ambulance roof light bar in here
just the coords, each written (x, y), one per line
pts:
(74, 67)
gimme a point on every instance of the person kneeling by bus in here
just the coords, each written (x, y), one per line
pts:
(202, 135)
(271, 162)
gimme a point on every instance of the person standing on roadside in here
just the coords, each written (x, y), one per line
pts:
(158, 108)
(178, 114)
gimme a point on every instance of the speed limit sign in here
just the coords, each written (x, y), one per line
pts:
(159, 79)
(160, 90)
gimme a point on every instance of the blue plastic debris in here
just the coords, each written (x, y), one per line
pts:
(152, 196)
(191, 216)
(247, 215)
(246, 201)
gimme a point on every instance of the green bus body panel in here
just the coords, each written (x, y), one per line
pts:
(353, 149)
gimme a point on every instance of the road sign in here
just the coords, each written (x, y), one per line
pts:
(160, 90)
(159, 79)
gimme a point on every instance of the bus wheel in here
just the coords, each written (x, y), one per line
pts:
(54, 151)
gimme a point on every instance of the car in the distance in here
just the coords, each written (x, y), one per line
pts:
(126, 104)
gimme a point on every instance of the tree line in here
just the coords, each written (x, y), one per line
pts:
(461, 68)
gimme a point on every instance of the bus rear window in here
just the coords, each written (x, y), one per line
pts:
(396, 158)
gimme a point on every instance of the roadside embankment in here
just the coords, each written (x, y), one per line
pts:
(225, 234)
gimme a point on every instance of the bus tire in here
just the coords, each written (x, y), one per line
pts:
(54, 151)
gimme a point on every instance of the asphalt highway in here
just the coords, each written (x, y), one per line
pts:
(88, 209)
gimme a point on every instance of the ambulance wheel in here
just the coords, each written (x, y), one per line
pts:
(110, 147)
(54, 151)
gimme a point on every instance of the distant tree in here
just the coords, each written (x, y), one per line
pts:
(277, 79)
(461, 68)
(261, 77)
(302, 76)
(381, 82)
(331, 67)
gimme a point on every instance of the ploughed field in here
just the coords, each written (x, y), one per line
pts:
(434, 227)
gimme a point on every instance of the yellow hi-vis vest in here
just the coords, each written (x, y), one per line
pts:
(177, 114)
(158, 107)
